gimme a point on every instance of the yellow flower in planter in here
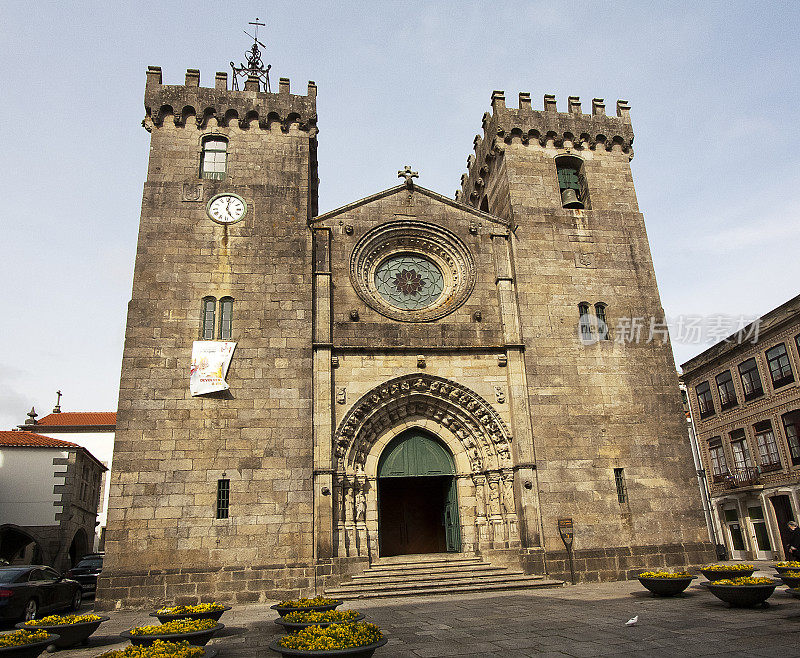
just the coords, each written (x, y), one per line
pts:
(177, 626)
(335, 616)
(664, 574)
(791, 574)
(744, 580)
(159, 649)
(729, 567)
(308, 603)
(338, 636)
(191, 609)
(22, 637)
(794, 564)
(59, 620)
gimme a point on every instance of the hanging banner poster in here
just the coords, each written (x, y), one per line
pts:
(210, 361)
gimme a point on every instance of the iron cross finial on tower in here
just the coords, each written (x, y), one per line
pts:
(408, 175)
(254, 67)
(57, 408)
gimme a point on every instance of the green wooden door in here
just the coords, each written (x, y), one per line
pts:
(415, 453)
(452, 527)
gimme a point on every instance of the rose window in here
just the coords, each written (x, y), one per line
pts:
(412, 271)
(409, 281)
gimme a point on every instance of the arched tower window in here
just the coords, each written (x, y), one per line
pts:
(214, 161)
(485, 204)
(572, 182)
(602, 325)
(225, 317)
(585, 322)
(207, 314)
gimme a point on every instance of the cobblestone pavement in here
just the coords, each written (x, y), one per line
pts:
(579, 620)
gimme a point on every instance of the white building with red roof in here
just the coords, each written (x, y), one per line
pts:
(49, 494)
(92, 430)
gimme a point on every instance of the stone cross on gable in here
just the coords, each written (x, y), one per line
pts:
(408, 175)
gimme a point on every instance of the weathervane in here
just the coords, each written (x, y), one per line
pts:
(255, 67)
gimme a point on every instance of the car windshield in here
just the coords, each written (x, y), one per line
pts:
(89, 564)
(11, 575)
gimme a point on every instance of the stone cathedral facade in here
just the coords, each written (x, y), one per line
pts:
(410, 373)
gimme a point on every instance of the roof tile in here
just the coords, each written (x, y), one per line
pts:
(82, 418)
(13, 439)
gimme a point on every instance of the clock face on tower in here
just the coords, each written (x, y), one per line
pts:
(226, 208)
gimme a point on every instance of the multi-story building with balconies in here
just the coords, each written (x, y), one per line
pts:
(745, 403)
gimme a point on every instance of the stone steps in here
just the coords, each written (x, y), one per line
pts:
(422, 575)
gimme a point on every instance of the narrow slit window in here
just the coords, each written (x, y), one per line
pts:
(223, 497)
(602, 325)
(214, 161)
(622, 489)
(225, 317)
(207, 318)
(585, 323)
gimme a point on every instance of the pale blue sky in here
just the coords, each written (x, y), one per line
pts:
(713, 88)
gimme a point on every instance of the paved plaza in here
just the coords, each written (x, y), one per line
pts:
(580, 620)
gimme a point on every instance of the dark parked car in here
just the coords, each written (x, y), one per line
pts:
(86, 572)
(32, 590)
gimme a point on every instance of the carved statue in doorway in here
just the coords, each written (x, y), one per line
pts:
(508, 494)
(494, 497)
(361, 502)
(480, 497)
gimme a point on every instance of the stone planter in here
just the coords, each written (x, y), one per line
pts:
(360, 652)
(720, 574)
(197, 638)
(781, 570)
(291, 626)
(743, 596)
(28, 650)
(211, 614)
(666, 586)
(285, 610)
(68, 634)
(791, 581)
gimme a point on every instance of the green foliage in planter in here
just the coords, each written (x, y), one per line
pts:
(65, 620)
(334, 616)
(22, 637)
(308, 603)
(729, 567)
(663, 574)
(177, 626)
(337, 636)
(191, 609)
(159, 649)
(744, 580)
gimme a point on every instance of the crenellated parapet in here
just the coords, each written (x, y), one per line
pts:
(192, 104)
(548, 128)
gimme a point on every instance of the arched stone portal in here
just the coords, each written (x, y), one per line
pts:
(473, 433)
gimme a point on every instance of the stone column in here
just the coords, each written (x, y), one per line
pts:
(524, 456)
(322, 383)
(482, 539)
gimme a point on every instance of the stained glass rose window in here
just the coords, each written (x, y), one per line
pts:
(409, 281)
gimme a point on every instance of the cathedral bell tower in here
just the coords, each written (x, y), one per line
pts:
(213, 463)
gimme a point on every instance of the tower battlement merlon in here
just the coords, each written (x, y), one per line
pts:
(190, 102)
(546, 128)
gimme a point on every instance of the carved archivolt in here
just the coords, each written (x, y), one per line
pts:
(478, 427)
(415, 238)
